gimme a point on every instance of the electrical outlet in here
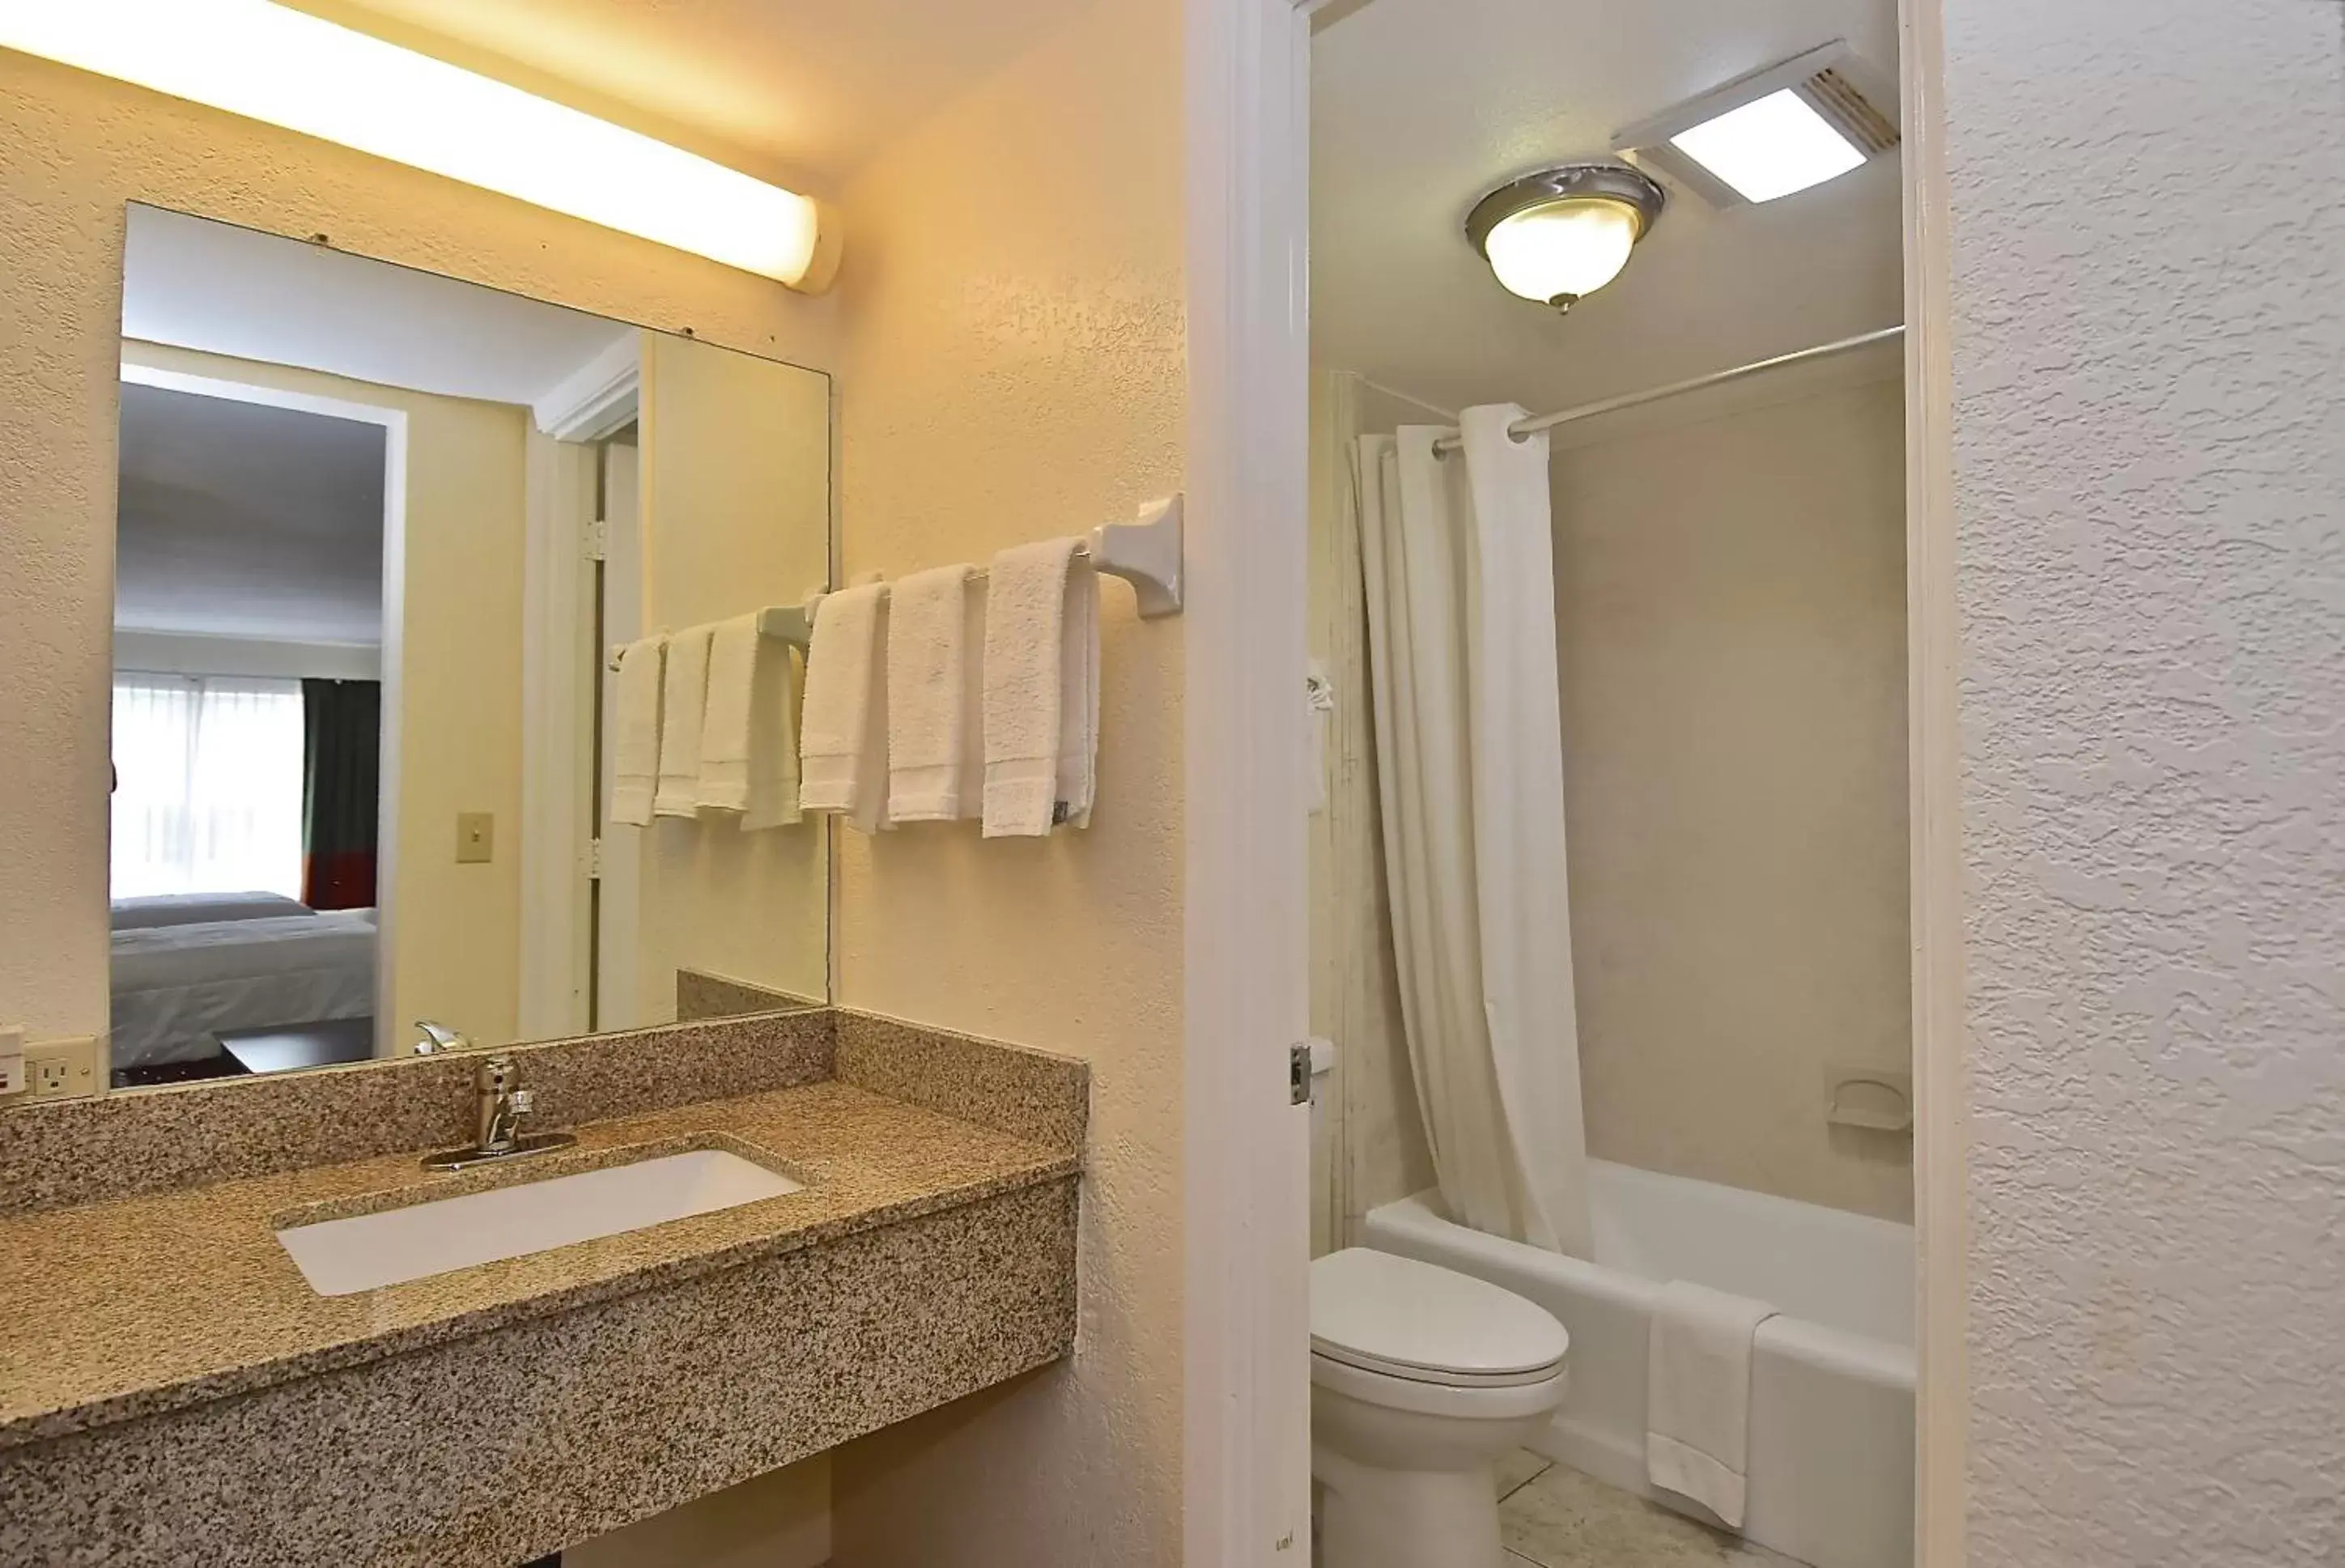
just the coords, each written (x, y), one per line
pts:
(61, 1069)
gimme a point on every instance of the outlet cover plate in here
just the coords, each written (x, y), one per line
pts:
(61, 1069)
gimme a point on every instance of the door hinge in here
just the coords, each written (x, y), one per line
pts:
(598, 540)
(1298, 1072)
(593, 859)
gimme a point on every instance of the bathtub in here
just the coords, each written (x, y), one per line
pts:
(1831, 1394)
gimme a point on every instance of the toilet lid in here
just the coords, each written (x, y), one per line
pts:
(1408, 1320)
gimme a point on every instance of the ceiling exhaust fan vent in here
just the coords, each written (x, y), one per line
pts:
(1771, 133)
(1848, 111)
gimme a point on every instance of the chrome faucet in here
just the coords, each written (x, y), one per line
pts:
(499, 1105)
(439, 1037)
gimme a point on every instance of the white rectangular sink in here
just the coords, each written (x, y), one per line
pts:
(367, 1251)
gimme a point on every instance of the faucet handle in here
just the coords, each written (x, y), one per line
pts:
(521, 1102)
(438, 1037)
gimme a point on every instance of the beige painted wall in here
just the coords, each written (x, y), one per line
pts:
(1015, 369)
(73, 149)
(780, 1519)
(456, 932)
(1729, 608)
(736, 515)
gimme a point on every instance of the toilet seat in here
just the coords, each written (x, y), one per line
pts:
(1394, 1317)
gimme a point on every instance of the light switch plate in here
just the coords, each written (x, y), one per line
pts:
(476, 837)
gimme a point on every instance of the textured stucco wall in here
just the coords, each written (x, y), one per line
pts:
(73, 149)
(2150, 421)
(1730, 599)
(1015, 369)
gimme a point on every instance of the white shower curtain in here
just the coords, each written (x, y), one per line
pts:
(1469, 758)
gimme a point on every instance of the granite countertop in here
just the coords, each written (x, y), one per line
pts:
(123, 1309)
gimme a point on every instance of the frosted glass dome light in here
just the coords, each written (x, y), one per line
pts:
(1563, 233)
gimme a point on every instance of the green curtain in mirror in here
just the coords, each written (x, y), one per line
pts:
(340, 811)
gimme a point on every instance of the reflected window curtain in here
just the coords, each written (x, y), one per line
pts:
(341, 784)
(208, 791)
(1459, 561)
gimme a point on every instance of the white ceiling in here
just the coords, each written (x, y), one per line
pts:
(196, 284)
(1419, 106)
(241, 520)
(777, 88)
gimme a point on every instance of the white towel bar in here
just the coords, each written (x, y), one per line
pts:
(1145, 552)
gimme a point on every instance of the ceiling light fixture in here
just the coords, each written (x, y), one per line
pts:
(1563, 233)
(1773, 133)
(268, 62)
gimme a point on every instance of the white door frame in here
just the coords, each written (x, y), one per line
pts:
(619, 964)
(1246, 1151)
(557, 719)
(558, 685)
(1933, 633)
(1246, 1148)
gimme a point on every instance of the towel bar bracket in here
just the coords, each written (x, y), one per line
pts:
(1147, 553)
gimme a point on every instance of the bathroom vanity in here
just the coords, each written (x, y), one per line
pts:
(173, 1388)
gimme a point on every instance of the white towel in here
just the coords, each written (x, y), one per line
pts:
(843, 730)
(684, 700)
(748, 740)
(1698, 1395)
(634, 757)
(1041, 689)
(1078, 696)
(928, 681)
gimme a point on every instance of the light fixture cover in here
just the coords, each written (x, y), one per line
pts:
(1786, 129)
(1562, 233)
(271, 63)
(1564, 247)
(1771, 147)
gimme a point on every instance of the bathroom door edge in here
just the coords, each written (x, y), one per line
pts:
(1942, 1239)
(1246, 1477)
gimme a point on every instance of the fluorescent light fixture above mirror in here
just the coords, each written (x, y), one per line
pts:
(1778, 131)
(271, 63)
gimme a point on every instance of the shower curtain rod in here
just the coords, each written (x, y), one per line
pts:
(1450, 444)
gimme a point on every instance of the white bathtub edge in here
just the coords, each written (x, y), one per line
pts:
(1832, 1410)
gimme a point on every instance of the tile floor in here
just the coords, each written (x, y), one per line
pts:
(1555, 1517)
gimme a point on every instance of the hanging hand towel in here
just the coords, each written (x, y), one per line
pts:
(1041, 663)
(683, 699)
(635, 758)
(1078, 696)
(1698, 1395)
(927, 678)
(748, 743)
(843, 731)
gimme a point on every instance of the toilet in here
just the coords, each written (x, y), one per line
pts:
(1421, 1378)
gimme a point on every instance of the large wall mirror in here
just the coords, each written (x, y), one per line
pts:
(380, 535)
